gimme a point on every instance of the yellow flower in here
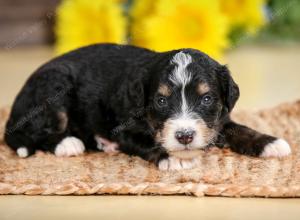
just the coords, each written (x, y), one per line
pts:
(83, 22)
(179, 24)
(244, 13)
(143, 8)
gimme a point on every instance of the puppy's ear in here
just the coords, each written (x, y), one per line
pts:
(129, 98)
(136, 93)
(229, 88)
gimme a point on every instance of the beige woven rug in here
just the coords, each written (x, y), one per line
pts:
(221, 172)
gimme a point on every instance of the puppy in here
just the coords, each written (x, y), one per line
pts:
(111, 97)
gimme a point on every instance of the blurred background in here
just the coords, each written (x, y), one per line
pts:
(258, 39)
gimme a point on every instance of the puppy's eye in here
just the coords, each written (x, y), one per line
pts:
(162, 101)
(207, 100)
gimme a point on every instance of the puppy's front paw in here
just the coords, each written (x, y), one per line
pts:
(277, 148)
(70, 146)
(22, 152)
(173, 163)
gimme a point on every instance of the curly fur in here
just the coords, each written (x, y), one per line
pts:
(111, 91)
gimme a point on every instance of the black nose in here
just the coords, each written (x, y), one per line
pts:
(185, 136)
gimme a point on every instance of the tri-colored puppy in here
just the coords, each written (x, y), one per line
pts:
(113, 97)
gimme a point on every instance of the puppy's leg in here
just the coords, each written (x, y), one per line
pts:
(39, 118)
(141, 144)
(45, 137)
(60, 139)
(244, 140)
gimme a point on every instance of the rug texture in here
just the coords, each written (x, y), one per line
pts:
(220, 173)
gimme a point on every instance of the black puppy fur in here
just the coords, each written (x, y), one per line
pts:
(114, 91)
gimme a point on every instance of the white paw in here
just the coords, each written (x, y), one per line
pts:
(278, 148)
(22, 152)
(70, 146)
(173, 163)
(106, 145)
(111, 148)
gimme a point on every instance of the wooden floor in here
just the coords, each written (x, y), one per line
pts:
(146, 208)
(266, 75)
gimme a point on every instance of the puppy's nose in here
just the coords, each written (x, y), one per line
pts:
(185, 136)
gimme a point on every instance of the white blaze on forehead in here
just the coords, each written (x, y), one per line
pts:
(181, 77)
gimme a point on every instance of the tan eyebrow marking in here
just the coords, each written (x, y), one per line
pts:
(203, 88)
(164, 90)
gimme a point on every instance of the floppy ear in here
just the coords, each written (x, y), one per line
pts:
(129, 98)
(229, 88)
(136, 93)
